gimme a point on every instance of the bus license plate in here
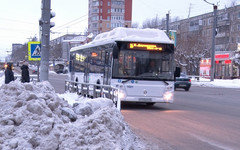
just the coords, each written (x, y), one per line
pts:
(145, 99)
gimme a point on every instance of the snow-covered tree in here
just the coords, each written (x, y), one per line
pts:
(236, 59)
(189, 51)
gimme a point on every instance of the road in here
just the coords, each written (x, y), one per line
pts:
(201, 119)
(58, 81)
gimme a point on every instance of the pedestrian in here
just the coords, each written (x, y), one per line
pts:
(25, 73)
(9, 76)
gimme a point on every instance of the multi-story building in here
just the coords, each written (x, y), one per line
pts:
(104, 15)
(227, 39)
(61, 46)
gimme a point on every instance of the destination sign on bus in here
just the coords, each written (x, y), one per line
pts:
(145, 46)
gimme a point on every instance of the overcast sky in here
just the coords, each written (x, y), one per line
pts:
(19, 18)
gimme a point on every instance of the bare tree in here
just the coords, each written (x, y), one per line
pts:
(233, 3)
(189, 51)
(21, 53)
(135, 25)
(152, 23)
(56, 51)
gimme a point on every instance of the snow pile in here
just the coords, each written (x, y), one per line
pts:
(35, 117)
(235, 83)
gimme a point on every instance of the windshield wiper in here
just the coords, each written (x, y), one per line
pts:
(126, 81)
(165, 82)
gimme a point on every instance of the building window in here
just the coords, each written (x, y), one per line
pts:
(194, 25)
(109, 10)
(204, 22)
(95, 25)
(117, 18)
(222, 17)
(238, 39)
(108, 17)
(117, 3)
(95, 11)
(238, 15)
(238, 27)
(109, 3)
(95, 3)
(224, 28)
(209, 21)
(117, 10)
(94, 18)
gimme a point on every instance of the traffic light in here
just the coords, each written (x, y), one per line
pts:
(52, 24)
(52, 15)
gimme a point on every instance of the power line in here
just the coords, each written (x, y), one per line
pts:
(71, 25)
(18, 21)
(14, 30)
(67, 24)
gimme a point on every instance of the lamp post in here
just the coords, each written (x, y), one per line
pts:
(213, 40)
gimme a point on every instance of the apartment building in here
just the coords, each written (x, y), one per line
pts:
(60, 47)
(104, 15)
(227, 39)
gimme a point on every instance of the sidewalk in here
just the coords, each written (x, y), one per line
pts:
(223, 83)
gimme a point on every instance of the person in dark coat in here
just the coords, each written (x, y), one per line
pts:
(9, 76)
(25, 73)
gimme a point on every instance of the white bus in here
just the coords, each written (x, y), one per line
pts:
(139, 62)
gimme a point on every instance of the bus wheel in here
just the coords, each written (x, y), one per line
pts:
(150, 104)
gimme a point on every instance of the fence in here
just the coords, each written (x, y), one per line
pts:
(33, 78)
(94, 91)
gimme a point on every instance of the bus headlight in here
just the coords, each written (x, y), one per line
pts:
(168, 96)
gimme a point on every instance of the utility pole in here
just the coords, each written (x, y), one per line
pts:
(213, 40)
(213, 43)
(189, 11)
(45, 36)
(167, 23)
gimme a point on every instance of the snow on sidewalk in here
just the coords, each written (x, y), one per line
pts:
(221, 83)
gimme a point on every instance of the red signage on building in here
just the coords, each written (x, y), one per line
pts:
(222, 56)
(228, 61)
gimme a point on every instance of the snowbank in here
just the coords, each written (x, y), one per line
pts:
(235, 83)
(35, 117)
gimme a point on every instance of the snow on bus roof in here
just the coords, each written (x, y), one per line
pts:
(128, 35)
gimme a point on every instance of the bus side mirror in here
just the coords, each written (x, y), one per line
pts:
(177, 72)
(115, 51)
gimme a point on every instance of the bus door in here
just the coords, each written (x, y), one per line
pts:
(107, 69)
(86, 70)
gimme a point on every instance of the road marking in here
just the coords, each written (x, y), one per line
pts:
(211, 142)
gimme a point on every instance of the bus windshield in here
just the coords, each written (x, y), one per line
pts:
(143, 65)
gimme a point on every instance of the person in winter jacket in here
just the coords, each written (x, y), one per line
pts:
(9, 76)
(25, 73)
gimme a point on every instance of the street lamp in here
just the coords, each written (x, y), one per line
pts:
(213, 40)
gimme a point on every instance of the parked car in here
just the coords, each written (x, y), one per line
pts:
(183, 82)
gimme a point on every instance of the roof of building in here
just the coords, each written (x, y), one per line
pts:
(81, 38)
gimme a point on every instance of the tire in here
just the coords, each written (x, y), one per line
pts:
(186, 89)
(150, 104)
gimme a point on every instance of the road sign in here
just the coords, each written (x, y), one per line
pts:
(34, 51)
